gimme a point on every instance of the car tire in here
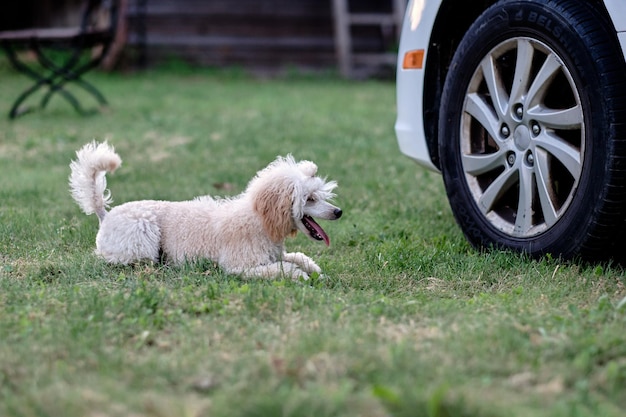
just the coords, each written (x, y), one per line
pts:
(532, 130)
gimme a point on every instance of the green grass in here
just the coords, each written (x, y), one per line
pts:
(409, 320)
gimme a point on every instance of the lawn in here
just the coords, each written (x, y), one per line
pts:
(408, 319)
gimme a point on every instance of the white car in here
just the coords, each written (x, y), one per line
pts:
(521, 105)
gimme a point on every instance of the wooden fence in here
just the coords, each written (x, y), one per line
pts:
(259, 34)
(255, 34)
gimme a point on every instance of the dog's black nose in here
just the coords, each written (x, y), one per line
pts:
(337, 213)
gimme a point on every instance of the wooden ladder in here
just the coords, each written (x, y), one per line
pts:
(344, 20)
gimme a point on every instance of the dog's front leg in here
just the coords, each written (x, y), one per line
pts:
(304, 262)
(274, 270)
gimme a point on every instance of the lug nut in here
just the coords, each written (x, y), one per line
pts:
(536, 128)
(510, 159)
(505, 131)
(519, 111)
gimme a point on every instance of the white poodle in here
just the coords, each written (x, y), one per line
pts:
(244, 234)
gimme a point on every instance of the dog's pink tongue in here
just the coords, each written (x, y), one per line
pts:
(323, 235)
(320, 231)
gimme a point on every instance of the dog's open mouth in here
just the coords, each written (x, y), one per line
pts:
(315, 230)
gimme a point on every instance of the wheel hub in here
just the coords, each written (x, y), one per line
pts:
(521, 137)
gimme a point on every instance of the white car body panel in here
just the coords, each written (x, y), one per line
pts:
(617, 10)
(419, 20)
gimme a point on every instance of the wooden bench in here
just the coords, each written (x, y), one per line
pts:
(63, 55)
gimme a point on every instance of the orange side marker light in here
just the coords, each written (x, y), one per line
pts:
(413, 59)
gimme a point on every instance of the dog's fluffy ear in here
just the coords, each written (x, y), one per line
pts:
(308, 168)
(273, 204)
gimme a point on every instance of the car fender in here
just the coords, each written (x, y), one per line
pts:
(418, 23)
(617, 12)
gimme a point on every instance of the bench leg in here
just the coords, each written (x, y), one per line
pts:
(15, 109)
(69, 72)
(24, 69)
(55, 81)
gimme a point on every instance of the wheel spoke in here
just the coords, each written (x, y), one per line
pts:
(525, 53)
(496, 189)
(524, 218)
(544, 77)
(544, 189)
(565, 153)
(571, 118)
(477, 107)
(477, 164)
(494, 85)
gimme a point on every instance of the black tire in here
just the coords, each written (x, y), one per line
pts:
(526, 177)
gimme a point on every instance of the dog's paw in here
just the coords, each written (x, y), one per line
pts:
(313, 268)
(299, 275)
(304, 262)
(303, 277)
(293, 271)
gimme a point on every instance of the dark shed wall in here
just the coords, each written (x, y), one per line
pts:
(259, 33)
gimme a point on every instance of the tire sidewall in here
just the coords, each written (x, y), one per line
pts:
(545, 22)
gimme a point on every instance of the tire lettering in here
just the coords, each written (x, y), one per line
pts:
(541, 20)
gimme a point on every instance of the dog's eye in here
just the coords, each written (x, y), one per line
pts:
(310, 200)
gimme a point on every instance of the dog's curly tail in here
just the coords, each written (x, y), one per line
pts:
(88, 177)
